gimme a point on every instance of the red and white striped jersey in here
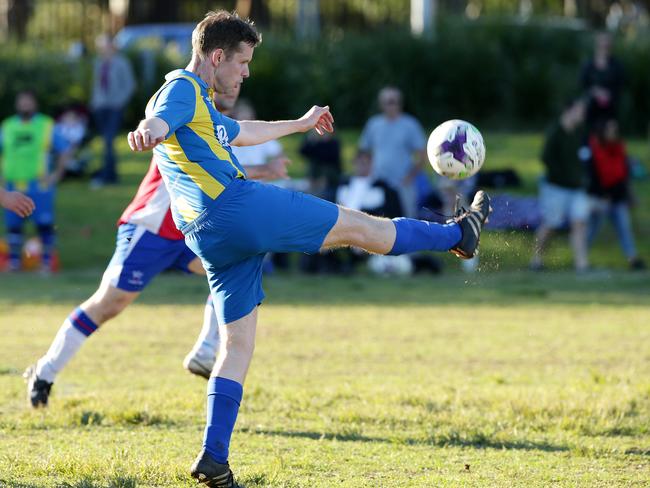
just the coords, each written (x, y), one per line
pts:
(150, 207)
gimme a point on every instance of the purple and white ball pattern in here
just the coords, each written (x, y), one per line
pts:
(456, 149)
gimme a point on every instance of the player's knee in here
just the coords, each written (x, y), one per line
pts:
(109, 306)
(239, 343)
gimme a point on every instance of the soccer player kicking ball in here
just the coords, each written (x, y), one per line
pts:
(147, 244)
(230, 222)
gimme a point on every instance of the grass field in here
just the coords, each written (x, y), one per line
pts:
(499, 378)
(504, 379)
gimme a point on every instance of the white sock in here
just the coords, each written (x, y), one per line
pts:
(65, 345)
(207, 342)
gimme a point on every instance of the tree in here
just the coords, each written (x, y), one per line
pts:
(144, 11)
(256, 10)
(308, 19)
(14, 15)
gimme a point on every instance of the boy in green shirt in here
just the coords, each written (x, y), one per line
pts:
(27, 140)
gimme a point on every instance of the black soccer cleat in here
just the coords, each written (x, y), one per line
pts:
(38, 390)
(471, 223)
(213, 474)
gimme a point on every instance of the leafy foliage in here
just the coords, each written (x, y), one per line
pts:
(497, 73)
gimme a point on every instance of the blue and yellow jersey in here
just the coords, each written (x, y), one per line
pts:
(195, 159)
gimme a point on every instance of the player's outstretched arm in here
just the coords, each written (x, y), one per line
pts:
(16, 202)
(252, 132)
(150, 132)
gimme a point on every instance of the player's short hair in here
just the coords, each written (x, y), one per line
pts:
(223, 30)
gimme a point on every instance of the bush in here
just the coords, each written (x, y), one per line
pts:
(495, 73)
(58, 80)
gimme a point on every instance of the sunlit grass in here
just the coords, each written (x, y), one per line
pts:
(498, 379)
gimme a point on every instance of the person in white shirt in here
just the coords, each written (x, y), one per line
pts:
(258, 154)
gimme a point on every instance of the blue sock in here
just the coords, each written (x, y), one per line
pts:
(82, 322)
(46, 233)
(15, 240)
(224, 397)
(419, 235)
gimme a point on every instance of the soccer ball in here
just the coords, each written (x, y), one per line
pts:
(456, 149)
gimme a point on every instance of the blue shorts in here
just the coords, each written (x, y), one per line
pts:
(43, 199)
(245, 222)
(140, 255)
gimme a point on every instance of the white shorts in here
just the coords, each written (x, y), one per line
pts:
(560, 205)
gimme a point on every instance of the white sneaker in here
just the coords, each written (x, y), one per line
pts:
(199, 365)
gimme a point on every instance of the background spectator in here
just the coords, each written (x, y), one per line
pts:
(396, 144)
(323, 154)
(27, 139)
(113, 85)
(602, 79)
(72, 126)
(362, 191)
(609, 188)
(260, 154)
(562, 195)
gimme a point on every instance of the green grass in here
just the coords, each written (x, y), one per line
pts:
(498, 379)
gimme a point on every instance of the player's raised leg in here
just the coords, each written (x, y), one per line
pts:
(402, 235)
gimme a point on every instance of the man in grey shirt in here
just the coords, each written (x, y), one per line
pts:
(113, 85)
(396, 143)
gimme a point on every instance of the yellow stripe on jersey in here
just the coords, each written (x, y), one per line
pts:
(204, 180)
(202, 125)
(185, 209)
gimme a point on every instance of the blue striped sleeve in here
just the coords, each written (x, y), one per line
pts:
(175, 104)
(232, 127)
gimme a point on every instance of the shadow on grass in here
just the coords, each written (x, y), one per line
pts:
(638, 451)
(477, 442)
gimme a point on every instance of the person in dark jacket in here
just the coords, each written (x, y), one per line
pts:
(562, 195)
(602, 78)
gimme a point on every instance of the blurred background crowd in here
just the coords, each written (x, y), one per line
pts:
(79, 72)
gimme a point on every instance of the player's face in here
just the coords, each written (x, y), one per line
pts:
(25, 104)
(390, 102)
(229, 74)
